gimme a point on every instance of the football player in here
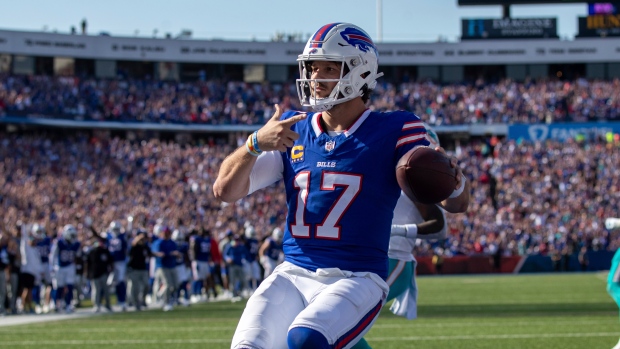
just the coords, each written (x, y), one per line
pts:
(43, 244)
(166, 252)
(182, 267)
(613, 278)
(338, 165)
(200, 252)
(118, 247)
(252, 271)
(411, 221)
(270, 252)
(62, 255)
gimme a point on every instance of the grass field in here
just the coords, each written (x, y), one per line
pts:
(476, 312)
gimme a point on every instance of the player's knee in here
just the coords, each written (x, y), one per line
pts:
(306, 338)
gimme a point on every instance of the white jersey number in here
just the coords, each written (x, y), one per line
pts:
(329, 228)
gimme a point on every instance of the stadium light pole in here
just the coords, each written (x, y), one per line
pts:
(379, 20)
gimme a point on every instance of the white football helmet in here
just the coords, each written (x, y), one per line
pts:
(115, 228)
(158, 229)
(276, 234)
(178, 235)
(69, 233)
(38, 231)
(250, 232)
(347, 44)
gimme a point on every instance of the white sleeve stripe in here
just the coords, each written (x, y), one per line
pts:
(267, 170)
(413, 124)
(410, 139)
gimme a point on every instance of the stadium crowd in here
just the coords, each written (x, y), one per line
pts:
(234, 102)
(527, 198)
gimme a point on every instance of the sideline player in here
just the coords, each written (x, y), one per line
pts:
(118, 247)
(270, 252)
(339, 170)
(62, 254)
(411, 221)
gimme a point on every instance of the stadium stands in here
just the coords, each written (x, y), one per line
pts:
(219, 102)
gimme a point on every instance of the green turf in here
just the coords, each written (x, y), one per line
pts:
(474, 312)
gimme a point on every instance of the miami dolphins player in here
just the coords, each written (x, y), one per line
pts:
(338, 164)
(613, 279)
(411, 221)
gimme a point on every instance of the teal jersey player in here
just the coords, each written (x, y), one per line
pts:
(613, 283)
(411, 221)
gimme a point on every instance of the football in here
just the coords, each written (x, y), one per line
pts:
(425, 175)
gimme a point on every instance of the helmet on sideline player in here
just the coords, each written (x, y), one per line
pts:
(178, 235)
(115, 228)
(349, 45)
(69, 233)
(250, 232)
(38, 231)
(276, 234)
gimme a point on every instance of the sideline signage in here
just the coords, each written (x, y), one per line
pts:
(509, 28)
(599, 26)
(562, 132)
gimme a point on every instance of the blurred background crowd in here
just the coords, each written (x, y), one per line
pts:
(230, 102)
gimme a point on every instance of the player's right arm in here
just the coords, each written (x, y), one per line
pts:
(434, 225)
(53, 252)
(233, 180)
(263, 248)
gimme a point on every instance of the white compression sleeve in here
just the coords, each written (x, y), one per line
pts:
(410, 231)
(267, 170)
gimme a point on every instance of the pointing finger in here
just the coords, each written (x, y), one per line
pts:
(293, 120)
(276, 116)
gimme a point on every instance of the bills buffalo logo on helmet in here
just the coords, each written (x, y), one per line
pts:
(358, 38)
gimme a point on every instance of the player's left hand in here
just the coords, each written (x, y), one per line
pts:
(458, 173)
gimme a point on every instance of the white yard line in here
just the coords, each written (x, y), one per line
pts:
(374, 339)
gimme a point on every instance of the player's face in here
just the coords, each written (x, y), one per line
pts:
(323, 70)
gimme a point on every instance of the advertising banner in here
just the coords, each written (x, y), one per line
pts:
(599, 26)
(561, 132)
(509, 28)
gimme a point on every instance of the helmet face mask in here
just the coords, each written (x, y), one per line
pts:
(178, 235)
(350, 47)
(38, 231)
(69, 233)
(115, 228)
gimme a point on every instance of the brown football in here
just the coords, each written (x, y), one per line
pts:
(425, 175)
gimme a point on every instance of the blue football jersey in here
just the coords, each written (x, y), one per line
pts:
(252, 246)
(66, 252)
(44, 246)
(117, 245)
(183, 248)
(202, 248)
(341, 190)
(273, 249)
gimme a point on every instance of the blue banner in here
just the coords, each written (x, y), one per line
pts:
(562, 132)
